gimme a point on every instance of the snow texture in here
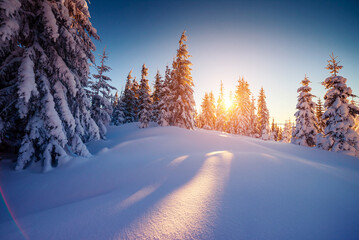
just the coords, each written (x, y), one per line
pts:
(171, 183)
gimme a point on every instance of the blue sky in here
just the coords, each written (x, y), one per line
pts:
(271, 43)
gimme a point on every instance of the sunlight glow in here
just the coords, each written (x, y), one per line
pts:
(227, 102)
(188, 211)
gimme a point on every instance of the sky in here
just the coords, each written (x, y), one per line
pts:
(272, 44)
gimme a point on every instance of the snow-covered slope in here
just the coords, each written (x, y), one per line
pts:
(171, 183)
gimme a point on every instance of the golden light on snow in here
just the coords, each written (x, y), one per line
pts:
(189, 211)
(178, 160)
(137, 196)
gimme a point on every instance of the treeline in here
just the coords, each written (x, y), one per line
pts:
(333, 126)
(171, 102)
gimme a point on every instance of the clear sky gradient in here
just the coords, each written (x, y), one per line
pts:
(271, 43)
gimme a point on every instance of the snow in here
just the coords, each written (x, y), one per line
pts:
(173, 183)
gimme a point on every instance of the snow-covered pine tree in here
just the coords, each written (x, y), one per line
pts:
(135, 88)
(118, 115)
(207, 116)
(306, 129)
(339, 135)
(182, 101)
(242, 108)
(165, 94)
(273, 132)
(262, 114)
(212, 110)
(129, 101)
(101, 108)
(319, 113)
(45, 47)
(144, 97)
(156, 97)
(221, 111)
(205, 112)
(253, 119)
(287, 131)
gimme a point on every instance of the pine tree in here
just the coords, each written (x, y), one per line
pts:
(165, 94)
(212, 110)
(207, 116)
(101, 108)
(135, 88)
(242, 108)
(262, 114)
(253, 119)
(118, 115)
(45, 48)
(221, 112)
(129, 101)
(156, 97)
(306, 128)
(319, 114)
(182, 101)
(339, 135)
(287, 132)
(273, 132)
(144, 97)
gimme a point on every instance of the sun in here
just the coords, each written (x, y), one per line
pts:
(228, 102)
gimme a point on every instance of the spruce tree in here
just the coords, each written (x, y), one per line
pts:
(135, 88)
(129, 101)
(165, 94)
(182, 101)
(221, 112)
(273, 132)
(45, 48)
(212, 110)
(306, 128)
(118, 115)
(339, 135)
(156, 97)
(101, 108)
(242, 108)
(144, 97)
(287, 132)
(207, 116)
(262, 115)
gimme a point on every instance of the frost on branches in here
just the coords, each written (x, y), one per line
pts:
(306, 128)
(339, 135)
(182, 101)
(101, 109)
(44, 51)
(145, 107)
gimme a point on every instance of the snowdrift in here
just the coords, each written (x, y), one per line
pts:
(171, 183)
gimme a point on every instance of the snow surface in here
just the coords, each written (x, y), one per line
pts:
(172, 183)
